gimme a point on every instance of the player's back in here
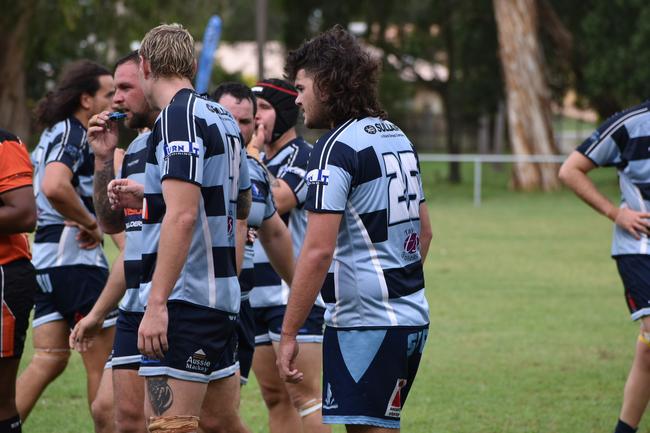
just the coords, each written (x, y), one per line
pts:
(197, 141)
(368, 170)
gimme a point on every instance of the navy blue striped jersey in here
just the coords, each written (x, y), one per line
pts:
(289, 164)
(624, 141)
(262, 209)
(133, 165)
(368, 171)
(196, 140)
(55, 244)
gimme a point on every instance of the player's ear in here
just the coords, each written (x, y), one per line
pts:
(85, 101)
(145, 67)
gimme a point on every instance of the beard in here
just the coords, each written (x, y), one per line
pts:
(318, 118)
(138, 121)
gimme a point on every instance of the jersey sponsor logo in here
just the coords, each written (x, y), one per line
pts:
(218, 110)
(394, 408)
(295, 170)
(256, 191)
(329, 402)
(135, 224)
(181, 148)
(318, 177)
(132, 212)
(198, 362)
(411, 243)
(370, 129)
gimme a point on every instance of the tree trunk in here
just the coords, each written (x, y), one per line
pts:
(14, 115)
(447, 97)
(528, 95)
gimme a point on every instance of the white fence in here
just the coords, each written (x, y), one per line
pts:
(478, 160)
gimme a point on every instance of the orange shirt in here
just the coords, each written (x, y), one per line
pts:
(15, 172)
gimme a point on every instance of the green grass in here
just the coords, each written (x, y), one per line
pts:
(529, 330)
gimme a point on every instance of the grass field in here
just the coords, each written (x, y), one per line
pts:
(529, 330)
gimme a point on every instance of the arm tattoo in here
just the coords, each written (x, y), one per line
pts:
(244, 200)
(109, 218)
(161, 396)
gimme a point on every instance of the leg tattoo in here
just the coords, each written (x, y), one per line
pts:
(160, 394)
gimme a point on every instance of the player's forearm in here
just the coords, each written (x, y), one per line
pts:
(278, 246)
(110, 221)
(311, 270)
(584, 188)
(113, 290)
(283, 196)
(175, 238)
(240, 243)
(65, 201)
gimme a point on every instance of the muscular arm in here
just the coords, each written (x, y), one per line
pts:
(111, 221)
(574, 175)
(276, 240)
(18, 211)
(283, 195)
(240, 243)
(58, 189)
(182, 201)
(311, 269)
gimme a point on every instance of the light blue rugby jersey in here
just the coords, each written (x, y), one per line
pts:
(54, 243)
(197, 141)
(133, 165)
(367, 170)
(262, 208)
(289, 164)
(624, 141)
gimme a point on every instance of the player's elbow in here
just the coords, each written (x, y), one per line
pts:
(320, 254)
(183, 219)
(566, 173)
(54, 189)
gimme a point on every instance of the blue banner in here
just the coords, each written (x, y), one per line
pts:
(206, 59)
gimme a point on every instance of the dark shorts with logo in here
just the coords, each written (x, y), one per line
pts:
(202, 345)
(634, 270)
(17, 290)
(125, 353)
(268, 325)
(69, 293)
(368, 373)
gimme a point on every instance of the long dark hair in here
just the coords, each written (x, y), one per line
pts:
(76, 79)
(342, 71)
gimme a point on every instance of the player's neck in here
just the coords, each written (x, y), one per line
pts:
(163, 90)
(271, 149)
(83, 116)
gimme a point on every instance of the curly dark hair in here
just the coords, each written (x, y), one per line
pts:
(77, 78)
(343, 71)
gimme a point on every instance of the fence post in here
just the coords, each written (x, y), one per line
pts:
(477, 182)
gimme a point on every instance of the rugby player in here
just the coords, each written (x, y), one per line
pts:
(291, 406)
(622, 142)
(367, 236)
(263, 219)
(17, 275)
(67, 252)
(194, 174)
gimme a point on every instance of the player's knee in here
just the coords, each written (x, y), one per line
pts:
(51, 362)
(174, 424)
(129, 418)
(274, 398)
(101, 410)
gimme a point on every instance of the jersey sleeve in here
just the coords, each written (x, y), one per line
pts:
(603, 147)
(69, 148)
(15, 167)
(332, 167)
(294, 175)
(180, 153)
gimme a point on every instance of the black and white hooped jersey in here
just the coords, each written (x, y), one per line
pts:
(290, 165)
(196, 140)
(133, 165)
(368, 171)
(623, 141)
(55, 244)
(262, 208)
